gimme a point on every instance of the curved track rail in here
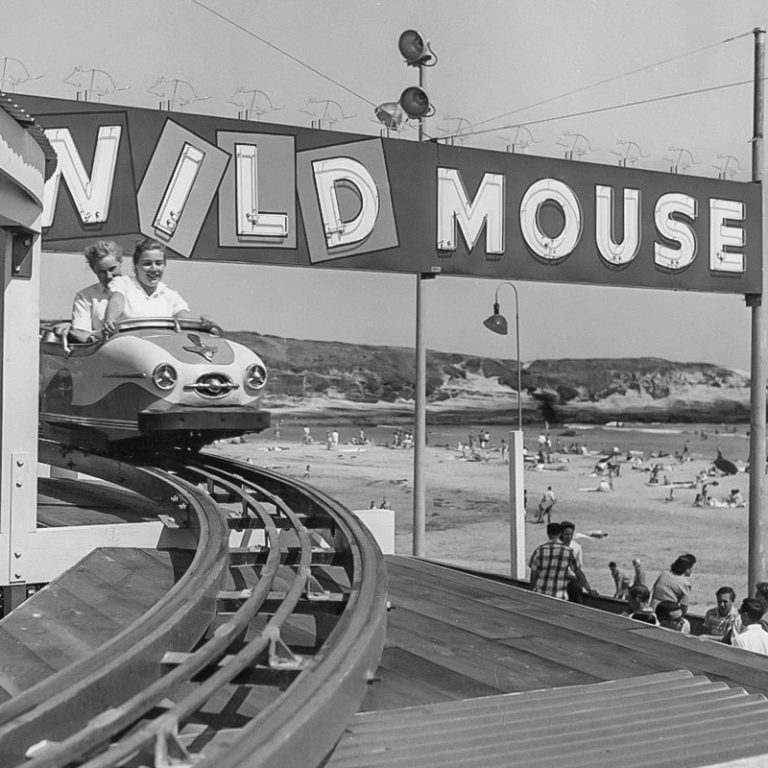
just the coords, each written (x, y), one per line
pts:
(258, 656)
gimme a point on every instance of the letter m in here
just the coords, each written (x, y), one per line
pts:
(454, 207)
(90, 194)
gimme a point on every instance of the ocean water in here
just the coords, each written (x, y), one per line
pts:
(703, 440)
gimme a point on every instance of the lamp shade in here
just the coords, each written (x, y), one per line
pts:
(412, 47)
(390, 114)
(415, 102)
(496, 322)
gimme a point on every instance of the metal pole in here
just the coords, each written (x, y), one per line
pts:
(422, 81)
(420, 427)
(757, 453)
(420, 422)
(517, 357)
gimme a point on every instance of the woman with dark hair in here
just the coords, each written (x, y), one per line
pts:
(144, 294)
(675, 584)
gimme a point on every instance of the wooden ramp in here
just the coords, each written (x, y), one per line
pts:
(674, 719)
(80, 610)
(456, 641)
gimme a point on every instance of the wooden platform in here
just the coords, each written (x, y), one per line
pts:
(64, 502)
(453, 637)
(77, 612)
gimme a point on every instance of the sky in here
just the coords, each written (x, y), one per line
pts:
(507, 72)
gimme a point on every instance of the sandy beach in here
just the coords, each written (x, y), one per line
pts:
(467, 501)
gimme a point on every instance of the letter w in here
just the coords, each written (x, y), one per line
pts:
(91, 194)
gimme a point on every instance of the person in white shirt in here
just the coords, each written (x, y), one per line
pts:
(105, 258)
(144, 294)
(752, 637)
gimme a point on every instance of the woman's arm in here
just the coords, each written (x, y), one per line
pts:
(114, 311)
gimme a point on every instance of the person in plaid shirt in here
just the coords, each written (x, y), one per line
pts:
(719, 621)
(549, 566)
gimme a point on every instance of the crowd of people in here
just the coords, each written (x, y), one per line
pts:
(557, 570)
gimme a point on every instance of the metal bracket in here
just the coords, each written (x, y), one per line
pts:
(281, 656)
(170, 752)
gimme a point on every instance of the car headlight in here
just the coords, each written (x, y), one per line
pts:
(165, 376)
(255, 376)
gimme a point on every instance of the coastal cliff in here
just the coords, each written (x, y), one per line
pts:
(317, 379)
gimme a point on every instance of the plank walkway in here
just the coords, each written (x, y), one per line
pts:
(79, 611)
(455, 640)
(63, 502)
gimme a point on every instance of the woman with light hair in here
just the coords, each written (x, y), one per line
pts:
(105, 259)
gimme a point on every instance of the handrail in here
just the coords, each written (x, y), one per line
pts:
(326, 690)
(132, 659)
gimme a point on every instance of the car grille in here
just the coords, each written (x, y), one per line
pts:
(212, 385)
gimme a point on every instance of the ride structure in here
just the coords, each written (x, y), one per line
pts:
(155, 381)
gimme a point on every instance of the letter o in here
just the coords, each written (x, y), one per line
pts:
(540, 192)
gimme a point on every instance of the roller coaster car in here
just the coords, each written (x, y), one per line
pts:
(155, 381)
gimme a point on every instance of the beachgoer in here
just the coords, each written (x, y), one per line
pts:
(670, 616)
(761, 594)
(384, 503)
(573, 587)
(549, 564)
(546, 505)
(752, 637)
(675, 584)
(504, 452)
(639, 577)
(144, 294)
(638, 604)
(719, 621)
(105, 258)
(620, 580)
(306, 472)
(307, 438)
(334, 440)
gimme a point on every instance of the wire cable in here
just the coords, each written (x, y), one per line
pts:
(277, 48)
(614, 78)
(354, 93)
(597, 110)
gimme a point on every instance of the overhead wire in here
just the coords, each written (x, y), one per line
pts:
(623, 105)
(606, 80)
(553, 118)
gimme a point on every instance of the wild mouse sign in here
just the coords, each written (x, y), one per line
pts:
(223, 189)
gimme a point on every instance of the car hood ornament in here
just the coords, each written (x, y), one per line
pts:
(199, 348)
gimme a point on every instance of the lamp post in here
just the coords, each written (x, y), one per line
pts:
(498, 324)
(415, 103)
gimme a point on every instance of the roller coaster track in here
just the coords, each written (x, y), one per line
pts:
(214, 673)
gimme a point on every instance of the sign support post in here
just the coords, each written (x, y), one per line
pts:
(420, 403)
(756, 565)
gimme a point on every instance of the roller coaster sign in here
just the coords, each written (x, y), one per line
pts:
(229, 190)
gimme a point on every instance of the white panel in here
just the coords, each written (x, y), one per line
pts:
(674, 229)
(609, 249)
(338, 170)
(539, 193)
(91, 194)
(722, 235)
(250, 221)
(179, 187)
(454, 207)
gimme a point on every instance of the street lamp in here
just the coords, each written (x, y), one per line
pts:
(498, 324)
